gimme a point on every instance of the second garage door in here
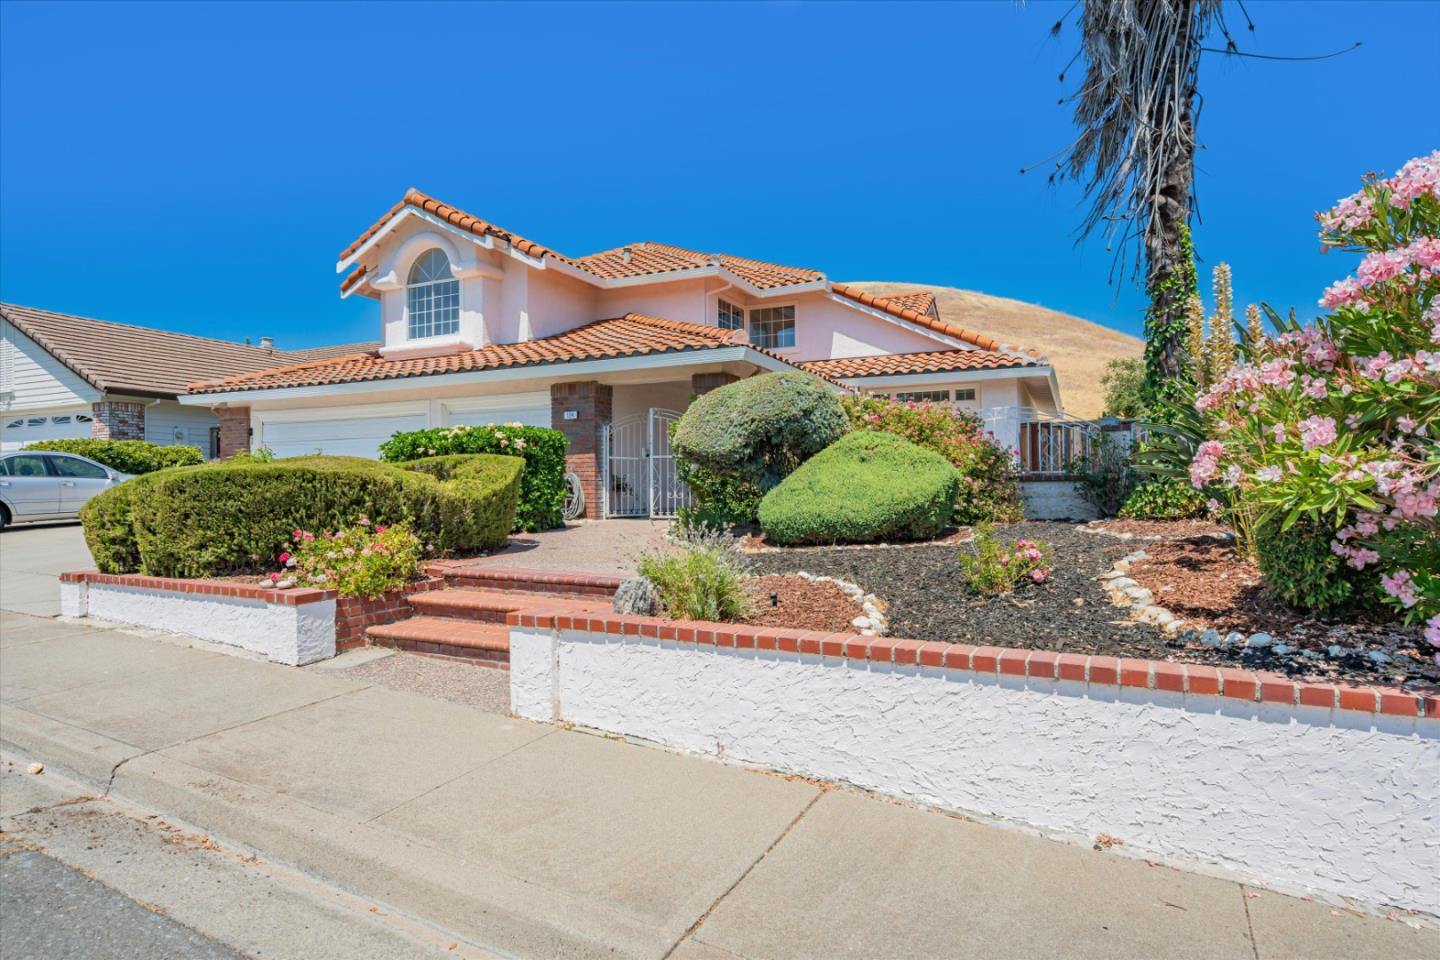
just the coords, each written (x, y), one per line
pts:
(337, 436)
(530, 408)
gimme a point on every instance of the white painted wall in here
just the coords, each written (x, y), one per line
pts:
(1337, 801)
(636, 399)
(35, 378)
(1055, 500)
(351, 431)
(168, 423)
(294, 635)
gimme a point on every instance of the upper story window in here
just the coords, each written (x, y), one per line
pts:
(773, 327)
(730, 317)
(432, 297)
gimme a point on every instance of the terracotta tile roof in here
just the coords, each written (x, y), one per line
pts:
(940, 361)
(894, 306)
(921, 301)
(122, 358)
(644, 259)
(456, 218)
(631, 335)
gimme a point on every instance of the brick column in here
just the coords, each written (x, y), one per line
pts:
(702, 383)
(590, 401)
(234, 429)
(117, 420)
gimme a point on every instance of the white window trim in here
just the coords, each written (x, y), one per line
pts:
(459, 293)
(794, 325)
(721, 303)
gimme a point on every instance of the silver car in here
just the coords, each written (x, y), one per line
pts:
(40, 485)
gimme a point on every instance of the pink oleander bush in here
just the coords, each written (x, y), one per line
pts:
(989, 479)
(995, 569)
(362, 561)
(1335, 423)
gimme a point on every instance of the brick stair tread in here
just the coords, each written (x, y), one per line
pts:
(458, 601)
(445, 630)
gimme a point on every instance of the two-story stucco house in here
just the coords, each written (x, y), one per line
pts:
(479, 325)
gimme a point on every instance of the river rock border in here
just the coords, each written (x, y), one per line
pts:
(873, 622)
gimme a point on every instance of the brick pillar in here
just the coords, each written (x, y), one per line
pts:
(590, 402)
(117, 420)
(234, 429)
(702, 383)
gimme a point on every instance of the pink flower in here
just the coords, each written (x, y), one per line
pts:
(1317, 431)
(364, 522)
(284, 557)
(1401, 587)
(1039, 574)
(1432, 632)
(1268, 474)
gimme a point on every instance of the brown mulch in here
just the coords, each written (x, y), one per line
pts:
(1207, 581)
(802, 604)
(1170, 529)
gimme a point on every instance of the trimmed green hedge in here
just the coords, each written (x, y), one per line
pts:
(737, 442)
(867, 487)
(542, 485)
(1301, 569)
(127, 456)
(224, 518)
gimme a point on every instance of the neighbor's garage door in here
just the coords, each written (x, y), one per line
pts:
(337, 436)
(16, 430)
(531, 409)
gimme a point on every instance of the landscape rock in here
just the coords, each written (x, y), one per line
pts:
(1259, 641)
(637, 596)
(1211, 638)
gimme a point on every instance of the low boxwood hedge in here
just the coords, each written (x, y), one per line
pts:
(867, 487)
(225, 518)
(542, 485)
(127, 456)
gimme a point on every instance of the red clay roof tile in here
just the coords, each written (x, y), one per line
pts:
(630, 335)
(893, 364)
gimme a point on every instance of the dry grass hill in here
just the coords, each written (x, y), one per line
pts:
(1078, 348)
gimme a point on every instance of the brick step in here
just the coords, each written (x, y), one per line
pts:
(544, 582)
(491, 606)
(487, 644)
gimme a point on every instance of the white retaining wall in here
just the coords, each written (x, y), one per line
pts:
(1055, 500)
(292, 634)
(1339, 801)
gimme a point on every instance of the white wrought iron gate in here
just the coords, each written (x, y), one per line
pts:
(640, 475)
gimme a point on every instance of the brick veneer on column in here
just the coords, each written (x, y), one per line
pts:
(117, 420)
(702, 383)
(591, 402)
(234, 429)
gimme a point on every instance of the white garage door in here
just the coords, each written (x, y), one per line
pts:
(337, 436)
(531, 409)
(16, 430)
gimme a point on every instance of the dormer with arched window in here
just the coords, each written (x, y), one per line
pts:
(432, 298)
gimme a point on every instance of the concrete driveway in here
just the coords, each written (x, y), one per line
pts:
(32, 557)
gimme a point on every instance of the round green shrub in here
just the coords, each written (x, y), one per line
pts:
(866, 487)
(1301, 569)
(542, 485)
(738, 441)
(127, 456)
(224, 518)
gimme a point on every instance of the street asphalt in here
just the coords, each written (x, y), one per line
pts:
(280, 812)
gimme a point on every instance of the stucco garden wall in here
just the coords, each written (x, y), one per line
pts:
(1255, 782)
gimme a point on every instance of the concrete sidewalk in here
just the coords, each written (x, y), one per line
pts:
(533, 840)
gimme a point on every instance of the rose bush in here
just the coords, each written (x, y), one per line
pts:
(1335, 421)
(995, 569)
(365, 560)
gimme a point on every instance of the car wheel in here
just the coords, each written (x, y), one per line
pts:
(4, 517)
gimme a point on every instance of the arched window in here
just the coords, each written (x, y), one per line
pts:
(432, 297)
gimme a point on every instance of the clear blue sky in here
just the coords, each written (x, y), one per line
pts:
(198, 167)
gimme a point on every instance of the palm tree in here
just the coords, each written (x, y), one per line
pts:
(1136, 111)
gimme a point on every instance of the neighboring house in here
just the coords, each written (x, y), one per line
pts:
(480, 325)
(63, 376)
